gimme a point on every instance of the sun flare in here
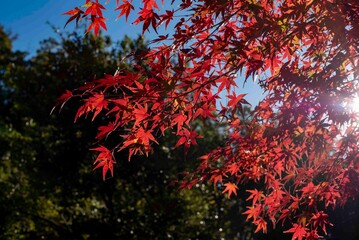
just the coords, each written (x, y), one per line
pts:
(354, 104)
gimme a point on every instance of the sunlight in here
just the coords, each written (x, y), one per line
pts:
(354, 104)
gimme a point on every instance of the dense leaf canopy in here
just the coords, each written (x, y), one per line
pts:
(300, 148)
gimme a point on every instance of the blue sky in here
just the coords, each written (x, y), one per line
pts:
(29, 20)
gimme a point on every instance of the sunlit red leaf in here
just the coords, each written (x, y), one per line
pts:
(104, 131)
(104, 160)
(75, 13)
(94, 9)
(125, 8)
(261, 225)
(94, 104)
(149, 4)
(96, 24)
(253, 212)
(230, 188)
(299, 232)
(255, 196)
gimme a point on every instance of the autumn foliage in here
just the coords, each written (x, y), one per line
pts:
(300, 148)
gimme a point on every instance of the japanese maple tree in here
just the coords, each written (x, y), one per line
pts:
(301, 145)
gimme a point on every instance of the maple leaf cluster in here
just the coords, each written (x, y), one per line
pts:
(301, 145)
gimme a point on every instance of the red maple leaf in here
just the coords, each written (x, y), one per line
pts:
(104, 131)
(95, 103)
(253, 212)
(255, 196)
(94, 9)
(320, 219)
(310, 188)
(96, 24)
(140, 114)
(216, 176)
(104, 160)
(230, 188)
(144, 137)
(149, 4)
(167, 17)
(75, 13)
(233, 169)
(261, 225)
(179, 119)
(148, 17)
(236, 101)
(299, 232)
(187, 138)
(125, 8)
(62, 100)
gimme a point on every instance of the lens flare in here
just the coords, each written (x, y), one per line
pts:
(354, 104)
